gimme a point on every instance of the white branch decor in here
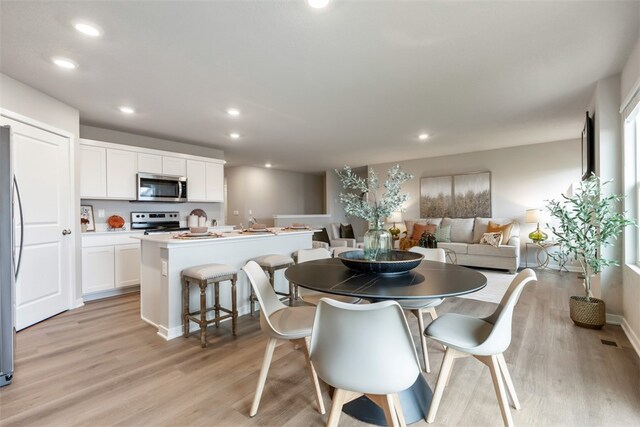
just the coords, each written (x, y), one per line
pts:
(366, 204)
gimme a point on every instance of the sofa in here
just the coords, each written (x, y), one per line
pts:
(465, 237)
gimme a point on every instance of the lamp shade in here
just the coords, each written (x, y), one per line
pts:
(532, 216)
(395, 217)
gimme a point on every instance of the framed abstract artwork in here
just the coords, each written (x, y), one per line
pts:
(456, 196)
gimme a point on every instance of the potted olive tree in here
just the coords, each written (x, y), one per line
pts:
(588, 222)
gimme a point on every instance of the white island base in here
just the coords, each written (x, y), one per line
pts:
(162, 259)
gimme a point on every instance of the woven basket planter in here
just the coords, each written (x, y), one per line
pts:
(587, 313)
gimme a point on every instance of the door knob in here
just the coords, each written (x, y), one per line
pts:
(65, 232)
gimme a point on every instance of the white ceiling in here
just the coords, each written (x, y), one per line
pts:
(353, 84)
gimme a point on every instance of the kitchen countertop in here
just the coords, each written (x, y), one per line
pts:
(220, 228)
(167, 240)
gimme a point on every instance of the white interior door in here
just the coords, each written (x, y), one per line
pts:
(41, 165)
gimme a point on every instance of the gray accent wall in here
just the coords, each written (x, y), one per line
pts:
(267, 192)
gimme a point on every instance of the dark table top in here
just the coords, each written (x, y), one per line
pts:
(429, 280)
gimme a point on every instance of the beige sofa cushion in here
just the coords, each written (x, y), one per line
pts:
(458, 248)
(480, 227)
(488, 250)
(410, 222)
(461, 229)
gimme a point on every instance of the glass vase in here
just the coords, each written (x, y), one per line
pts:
(377, 241)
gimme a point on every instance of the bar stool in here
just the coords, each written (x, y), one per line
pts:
(270, 264)
(204, 275)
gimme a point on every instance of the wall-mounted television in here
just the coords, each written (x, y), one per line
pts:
(588, 148)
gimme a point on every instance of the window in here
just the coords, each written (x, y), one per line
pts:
(631, 163)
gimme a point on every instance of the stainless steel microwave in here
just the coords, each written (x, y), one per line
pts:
(161, 188)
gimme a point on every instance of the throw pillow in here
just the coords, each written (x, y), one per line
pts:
(504, 229)
(418, 229)
(321, 236)
(346, 231)
(493, 239)
(443, 234)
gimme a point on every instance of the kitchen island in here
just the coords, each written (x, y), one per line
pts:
(163, 257)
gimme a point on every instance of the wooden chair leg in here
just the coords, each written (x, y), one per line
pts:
(498, 384)
(312, 375)
(507, 380)
(386, 403)
(423, 340)
(234, 306)
(447, 362)
(185, 307)
(336, 407)
(266, 362)
(203, 313)
(216, 302)
(399, 413)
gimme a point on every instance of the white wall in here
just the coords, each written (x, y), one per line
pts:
(608, 148)
(521, 177)
(267, 192)
(126, 138)
(630, 82)
(25, 100)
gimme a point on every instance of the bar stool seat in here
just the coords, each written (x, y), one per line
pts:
(204, 275)
(270, 264)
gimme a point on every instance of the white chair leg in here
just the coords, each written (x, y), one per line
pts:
(266, 362)
(509, 383)
(312, 375)
(447, 362)
(423, 340)
(498, 384)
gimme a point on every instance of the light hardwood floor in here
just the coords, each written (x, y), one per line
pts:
(102, 365)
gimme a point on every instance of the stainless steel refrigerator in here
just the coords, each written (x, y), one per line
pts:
(10, 254)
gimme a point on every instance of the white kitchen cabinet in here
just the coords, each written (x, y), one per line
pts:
(196, 181)
(174, 166)
(215, 182)
(149, 163)
(127, 265)
(93, 172)
(122, 167)
(97, 269)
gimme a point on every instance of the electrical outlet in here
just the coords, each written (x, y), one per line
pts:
(236, 213)
(100, 213)
(250, 212)
(164, 268)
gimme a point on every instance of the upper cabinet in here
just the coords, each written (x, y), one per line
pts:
(93, 172)
(149, 163)
(108, 171)
(174, 166)
(122, 167)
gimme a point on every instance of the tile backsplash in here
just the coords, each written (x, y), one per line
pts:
(124, 209)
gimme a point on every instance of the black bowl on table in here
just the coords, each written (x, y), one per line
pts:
(392, 262)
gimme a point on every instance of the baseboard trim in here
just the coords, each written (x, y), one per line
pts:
(111, 293)
(614, 319)
(176, 331)
(79, 302)
(633, 338)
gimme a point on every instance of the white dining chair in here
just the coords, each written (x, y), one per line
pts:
(364, 349)
(280, 322)
(312, 297)
(420, 307)
(486, 339)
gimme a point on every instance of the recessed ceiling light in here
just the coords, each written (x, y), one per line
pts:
(234, 135)
(318, 4)
(423, 136)
(64, 63)
(87, 29)
(267, 165)
(234, 112)
(126, 109)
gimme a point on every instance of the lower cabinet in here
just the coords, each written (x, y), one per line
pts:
(107, 266)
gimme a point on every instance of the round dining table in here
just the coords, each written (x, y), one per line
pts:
(430, 279)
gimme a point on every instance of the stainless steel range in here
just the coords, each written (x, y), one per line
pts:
(156, 222)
